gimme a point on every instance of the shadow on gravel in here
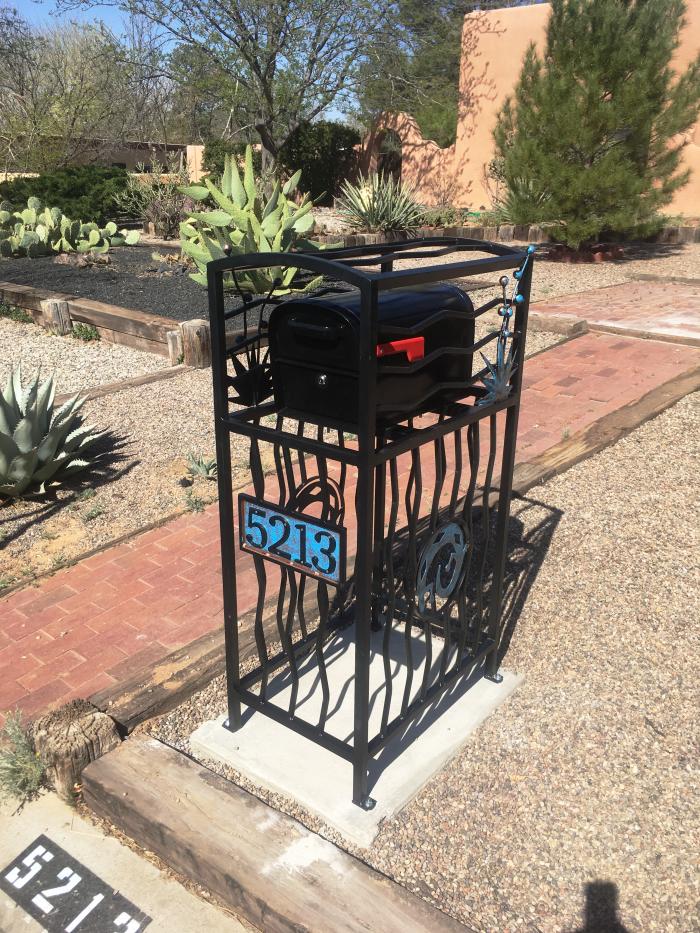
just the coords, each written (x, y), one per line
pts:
(600, 911)
(633, 252)
(112, 459)
(527, 550)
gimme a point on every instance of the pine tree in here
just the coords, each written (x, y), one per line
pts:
(592, 139)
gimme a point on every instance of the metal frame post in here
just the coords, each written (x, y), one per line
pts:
(364, 569)
(506, 478)
(223, 460)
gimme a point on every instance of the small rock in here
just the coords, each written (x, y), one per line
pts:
(77, 260)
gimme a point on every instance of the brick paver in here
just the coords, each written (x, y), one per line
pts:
(659, 310)
(88, 626)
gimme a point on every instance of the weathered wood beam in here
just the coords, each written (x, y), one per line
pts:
(267, 867)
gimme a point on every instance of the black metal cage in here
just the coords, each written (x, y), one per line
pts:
(385, 534)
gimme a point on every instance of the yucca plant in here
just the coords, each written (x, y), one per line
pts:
(243, 221)
(522, 203)
(379, 203)
(40, 446)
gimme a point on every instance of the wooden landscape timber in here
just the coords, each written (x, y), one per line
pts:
(56, 317)
(160, 687)
(68, 739)
(556, 323)
(267, 867)
(109, 388)
(196, 343)
(188, 342)
(603, 433)
(57, 312)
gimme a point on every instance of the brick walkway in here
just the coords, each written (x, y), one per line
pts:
(88, 626)
(659, 310)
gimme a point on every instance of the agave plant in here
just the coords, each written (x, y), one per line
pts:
(199, 465)
(40, 446)
(497, 381)
(39, 231)
(380, 203)
(243, 221)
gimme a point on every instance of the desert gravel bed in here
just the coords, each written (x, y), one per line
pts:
(77, 365)
(159, 424)
(589, 773)
(134, 280)
(130, 280)
(553, 279)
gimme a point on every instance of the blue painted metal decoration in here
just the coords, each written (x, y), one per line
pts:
(498, 379)
(293, 539)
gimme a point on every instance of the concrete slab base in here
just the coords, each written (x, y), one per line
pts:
(278, 759)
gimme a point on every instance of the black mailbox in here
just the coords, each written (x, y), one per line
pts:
(424, 351)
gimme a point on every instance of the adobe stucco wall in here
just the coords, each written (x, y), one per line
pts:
(493, 46)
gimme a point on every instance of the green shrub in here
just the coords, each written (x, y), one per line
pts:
(324, 153)
(243, 221)
(199, 465)
(22, 773)
(379, 203)
(86, 332)
(79, 191)
(592, 138)
(446, 217)
(38, 231)
(522, 201)
(40, 446)
(13, 313)
(216, 151)
(194, 503)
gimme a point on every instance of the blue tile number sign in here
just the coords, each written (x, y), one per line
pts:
(65, 896)
(292, 539)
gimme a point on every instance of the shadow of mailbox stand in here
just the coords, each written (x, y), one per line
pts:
(391, 524)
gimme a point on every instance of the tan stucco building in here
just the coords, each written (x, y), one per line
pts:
(493, 47)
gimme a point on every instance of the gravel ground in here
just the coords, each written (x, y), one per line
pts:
(553, 279)
(589, 773)
(126, 281)
(76, 364)
(141, 487)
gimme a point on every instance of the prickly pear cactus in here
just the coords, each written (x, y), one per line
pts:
(40, 231)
